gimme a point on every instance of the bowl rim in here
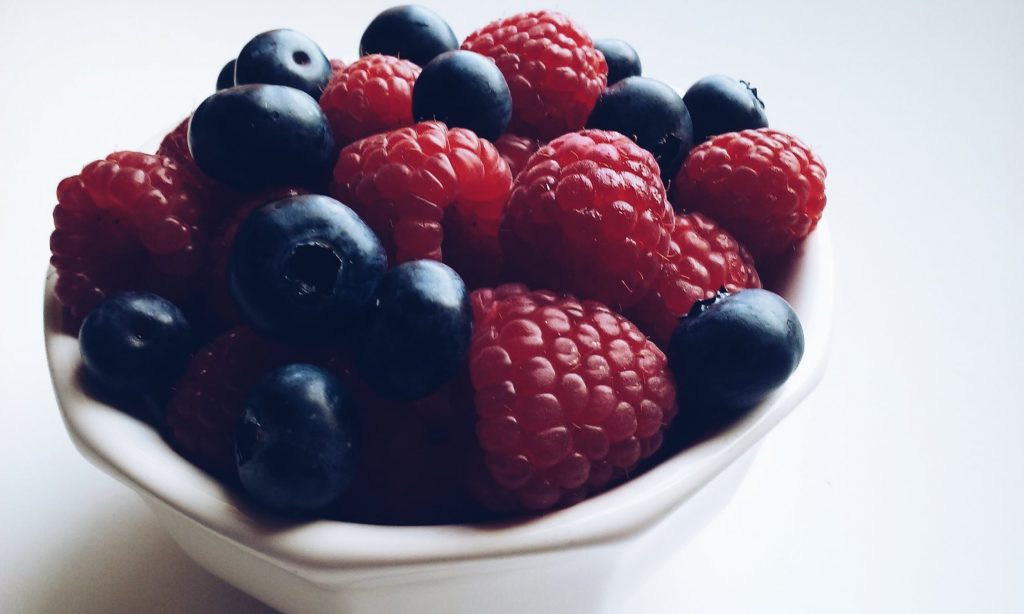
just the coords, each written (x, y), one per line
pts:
(137, 455)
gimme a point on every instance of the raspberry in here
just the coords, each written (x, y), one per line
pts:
(764, 186)
(414, 459)
(552, 68)
(516, 150)
(371, 95)
(569, 396)
(131, 222)
(703, 259)
(208, 398)
(588, 216)
(429, 192)
(175, 146)
(215, 275)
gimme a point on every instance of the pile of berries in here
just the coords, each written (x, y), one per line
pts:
(444, 281)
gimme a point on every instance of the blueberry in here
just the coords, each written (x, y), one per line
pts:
(731, 351)
(411, 32)
(226, 78)
(418, 332)
(720, 104)
(295, 443)
(464, 89)
(622, 59)
(652, 114)
(257, 136)
(135, 342)
(284, 57)
(304, 268)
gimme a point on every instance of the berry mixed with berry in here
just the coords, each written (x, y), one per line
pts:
(443, 282)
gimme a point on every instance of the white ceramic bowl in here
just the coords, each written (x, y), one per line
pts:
(578, 560)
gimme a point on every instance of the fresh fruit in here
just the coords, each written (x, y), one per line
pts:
(732, 350)
(207, 400)
(623, 61)
(284, 57)
(371, 95)
(295, 443)
(720, 104)
(304, 268)
(516, 150)
(418, 330)
(226, 77)
(703, 258)
(588, 216)
(414, 460)
(174, 145)
(569, 396)
(429, 192)
(764, 186)
(215, 275)
(464, 90)
(552, 68)
(135, 342)
(650, 112)
(410, 32)
(130, 222)
(257, 136)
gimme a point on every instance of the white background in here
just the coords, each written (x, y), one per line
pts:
(897, 487)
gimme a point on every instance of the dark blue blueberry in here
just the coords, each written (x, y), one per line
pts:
(464, 89)
(226, 78)
(652, 114)
(622, 59)
(304, 268)
(284, 57)
(256, 136)
(295, 443)
(418, 332)
(135, 342)
(720, 104)
(731, 351)
(411, 32)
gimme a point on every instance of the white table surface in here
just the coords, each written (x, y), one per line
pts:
(897, 487)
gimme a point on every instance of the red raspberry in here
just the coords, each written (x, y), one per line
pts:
(588, 216)
(208, 399)
(553, 70)
(175, 145)
(569, 396)
(764, 186)
(703, 258)
(516, 150)
(130, 222)
(413, 459)
(371, 95)
(429, 191)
